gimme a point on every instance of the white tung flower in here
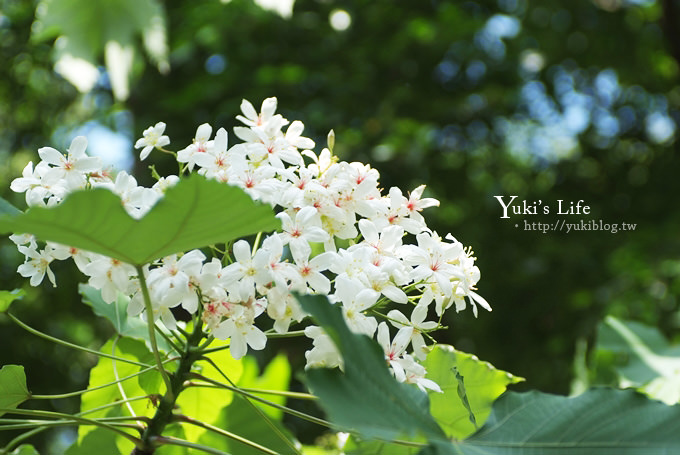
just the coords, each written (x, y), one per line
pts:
(153, 137)
(200, 145)
(336, 206)
(324, 353)
(71, 168)
(36, 266)
(394, 350)
(247, 272)
(241, 331)
(109, 275)
(419, 326)
(299, 232)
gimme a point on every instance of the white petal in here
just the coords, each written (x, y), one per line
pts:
(51, 156)
(397, 318)
(242, 251)
(294, 130)
(402, 339)
(221, 140)
(238, 346)
(419, 314)
(479, 299)
(323, 261)
(78, 146)
(305, 215)
(394, 293)
(399, 373)
(268, 107)
(383, 337)
(248, 110)
(145, 152)
(256, 338)
(369, 231)
(245, 134)
(319, 283)
(203, 132)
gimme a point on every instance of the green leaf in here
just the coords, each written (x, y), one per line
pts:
(98, 441)
(119, 22)
(482, 385)
(7, 297)
(25, 449)
(104, 373)
(365, 398)
(648, 361)
(8, 209)
(357, 446)
(598, 422)
(240, 418)
(462, 394)
(205, 403)
(276, 376)
(462, 378)
(13, 389)
(175, 430)
(194, 213)
(116, 313)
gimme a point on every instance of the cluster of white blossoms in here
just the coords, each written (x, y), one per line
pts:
(340, 237)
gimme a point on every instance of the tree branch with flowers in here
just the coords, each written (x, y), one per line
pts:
(251, 240)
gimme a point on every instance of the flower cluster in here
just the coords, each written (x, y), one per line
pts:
(340, 237)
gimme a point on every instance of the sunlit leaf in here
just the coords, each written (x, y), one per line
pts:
(7, 297)
(647, 360)
(13, 389)
(97, 441)
(482, 383)
(194, 213)
(240, 417)
(175, 430)
(206, 403)
(276, 376)
(365, 398)
(25, 449)
(81, 46)
(106, 371)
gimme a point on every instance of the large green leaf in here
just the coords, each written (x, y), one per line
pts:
(469, 386)
(13, 389)
(643, 358)
(481, 382)
(194, 213)
(600, 421)
(365, 398)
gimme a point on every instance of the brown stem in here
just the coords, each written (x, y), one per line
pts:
(166, 405)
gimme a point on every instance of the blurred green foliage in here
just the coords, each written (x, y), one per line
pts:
(544, 100)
